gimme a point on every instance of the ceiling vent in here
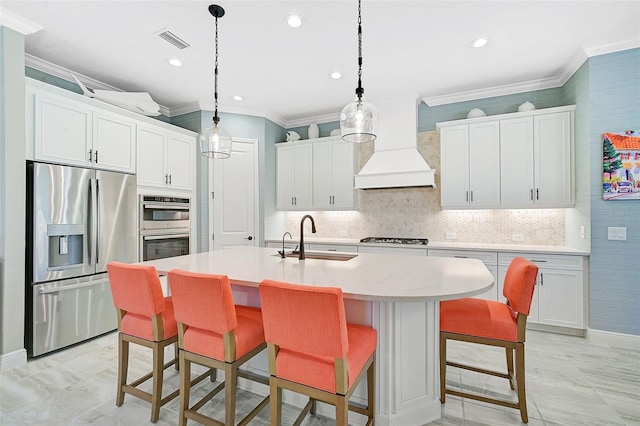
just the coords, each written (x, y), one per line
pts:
(170, 37)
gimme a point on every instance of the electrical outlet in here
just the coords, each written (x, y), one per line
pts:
(517, 237)
(450, 236)
(344, 233)
(582, 231)
(617, 233)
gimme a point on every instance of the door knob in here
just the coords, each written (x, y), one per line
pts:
(249, 238)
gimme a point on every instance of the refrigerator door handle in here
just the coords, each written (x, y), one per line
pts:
(93, 222)
(98, 224)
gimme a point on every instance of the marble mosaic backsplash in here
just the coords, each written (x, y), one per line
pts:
(416, 213)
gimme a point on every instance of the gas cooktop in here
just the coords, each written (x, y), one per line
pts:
(418, 241)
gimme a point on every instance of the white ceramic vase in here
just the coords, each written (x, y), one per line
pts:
(314, 131)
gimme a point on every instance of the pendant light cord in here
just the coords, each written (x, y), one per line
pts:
(359, 90)
(216, 119)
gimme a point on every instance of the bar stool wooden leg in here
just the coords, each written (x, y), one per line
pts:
(158, 373)
(230, 384)
(123, 366)
(522, 396)
(371, 389)
(185, 387)
(275, 400)
(509, 352)
(341, 411)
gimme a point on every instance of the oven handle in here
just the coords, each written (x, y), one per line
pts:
(164, 236)
(166, 206)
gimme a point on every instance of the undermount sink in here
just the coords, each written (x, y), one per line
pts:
(323, 256)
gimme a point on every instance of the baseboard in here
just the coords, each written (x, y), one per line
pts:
(609, 338)
(13, 359)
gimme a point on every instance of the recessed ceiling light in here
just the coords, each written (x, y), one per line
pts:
(294, 21)
(480, 42)
(335, 75)
(175, 62)
(237, 98)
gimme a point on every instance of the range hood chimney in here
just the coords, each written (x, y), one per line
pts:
(396, 162)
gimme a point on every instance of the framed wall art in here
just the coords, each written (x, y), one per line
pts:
(621, 166)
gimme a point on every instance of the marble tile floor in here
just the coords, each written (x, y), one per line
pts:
(569, 382)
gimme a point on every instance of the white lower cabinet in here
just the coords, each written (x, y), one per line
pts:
(558, 299)
(489, 258)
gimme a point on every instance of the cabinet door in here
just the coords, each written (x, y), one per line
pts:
(180, 151)
(561, 298)
(284, 177)
(151, 157)
(323, 174)
(303, 176)
(533, 317)
(62, 131)
(553, 159)
(454, 166)
(344, 195)
(114, 142)
(516, 171)
(484, 164)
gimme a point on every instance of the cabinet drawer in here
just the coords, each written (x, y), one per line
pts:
(487, 257)
(333, 247)
(560, 261)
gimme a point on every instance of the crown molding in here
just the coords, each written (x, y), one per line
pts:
(324, 118)
(611, 48)
(491, 92)
(18, 23)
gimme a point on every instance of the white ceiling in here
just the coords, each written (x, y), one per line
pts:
(415, 47)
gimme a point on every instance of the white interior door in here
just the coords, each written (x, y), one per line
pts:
(235, 197)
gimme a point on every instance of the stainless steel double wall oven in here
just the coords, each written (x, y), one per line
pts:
(165, 227)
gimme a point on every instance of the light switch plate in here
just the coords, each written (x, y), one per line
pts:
(450, 236)
(617, 233)
(517, 237)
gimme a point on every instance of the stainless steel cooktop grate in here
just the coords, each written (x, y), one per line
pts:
(390, 240)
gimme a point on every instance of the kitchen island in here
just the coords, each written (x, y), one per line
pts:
(398, 295)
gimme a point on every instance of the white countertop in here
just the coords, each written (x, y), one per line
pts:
(528, 248)
(381, 277)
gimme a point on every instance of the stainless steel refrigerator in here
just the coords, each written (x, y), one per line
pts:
(79, 220)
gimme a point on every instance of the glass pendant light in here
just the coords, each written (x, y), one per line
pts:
(214, 141)
(359, 119)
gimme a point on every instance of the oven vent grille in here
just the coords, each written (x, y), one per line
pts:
(170, 37)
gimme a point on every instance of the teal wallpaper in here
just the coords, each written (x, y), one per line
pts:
(614, 100)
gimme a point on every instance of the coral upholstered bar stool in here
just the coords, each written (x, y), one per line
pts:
(492, 323)
(215, 333)
(145, 317)
(313, 351)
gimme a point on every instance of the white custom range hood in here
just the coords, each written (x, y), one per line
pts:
(396, 162)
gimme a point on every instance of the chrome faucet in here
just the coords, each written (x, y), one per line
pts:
(313, 229)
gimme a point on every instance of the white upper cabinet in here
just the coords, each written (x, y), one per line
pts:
(537, 165)
(294, 174)
(519, 160)
(70, 132)
(470, 165)
(114, 142)
(333, 170)
(165, 159)
(553, 159)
